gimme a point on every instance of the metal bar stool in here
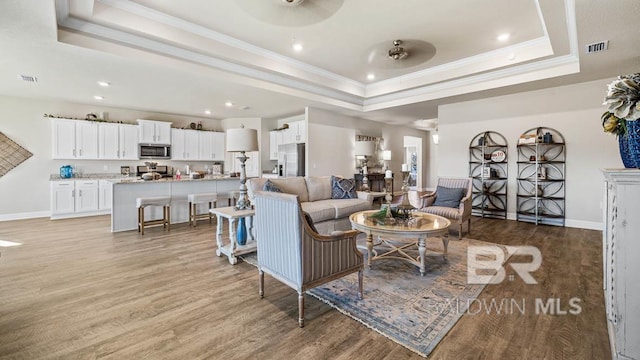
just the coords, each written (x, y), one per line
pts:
(142, 203)
(197, 199)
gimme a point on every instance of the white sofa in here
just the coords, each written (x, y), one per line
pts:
(314, 193)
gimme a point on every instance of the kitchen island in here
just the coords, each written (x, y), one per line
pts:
(124, 214)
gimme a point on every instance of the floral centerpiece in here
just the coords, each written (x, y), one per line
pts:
(622, 115)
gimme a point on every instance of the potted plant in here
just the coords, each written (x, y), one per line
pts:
(622, 115)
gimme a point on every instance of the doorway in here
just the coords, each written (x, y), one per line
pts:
(413, 157)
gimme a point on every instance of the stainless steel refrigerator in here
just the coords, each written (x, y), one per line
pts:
(291, 160)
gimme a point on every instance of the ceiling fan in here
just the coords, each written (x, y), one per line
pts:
(290, 12)
(400, 54)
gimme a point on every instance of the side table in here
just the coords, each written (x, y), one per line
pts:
(232, 249)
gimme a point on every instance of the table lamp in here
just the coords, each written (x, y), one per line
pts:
(386, 156)
(364, 149)
(242, 140)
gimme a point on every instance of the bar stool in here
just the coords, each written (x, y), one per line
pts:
(197, 199)
(144, 202)
(233, 197)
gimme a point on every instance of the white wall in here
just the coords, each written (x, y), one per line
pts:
(332, 136)
(573, 110)
(24, 191)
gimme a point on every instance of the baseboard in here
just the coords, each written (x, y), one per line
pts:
(76, 215)
(572, 223)
(26, 215)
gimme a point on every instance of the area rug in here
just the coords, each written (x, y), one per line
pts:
(412, 310)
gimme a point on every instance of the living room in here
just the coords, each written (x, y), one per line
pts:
(56, 276)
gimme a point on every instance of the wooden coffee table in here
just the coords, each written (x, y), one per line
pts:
(394, 240)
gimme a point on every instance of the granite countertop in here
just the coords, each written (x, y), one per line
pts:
(133, 179)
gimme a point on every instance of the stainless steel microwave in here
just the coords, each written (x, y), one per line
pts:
(154, 151)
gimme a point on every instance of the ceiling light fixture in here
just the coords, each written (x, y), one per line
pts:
(104, 83)
(208, 112)
(228, 104)
(98, 97)
(297, 47)
(371, 76)
(503, 37)
(397, 52)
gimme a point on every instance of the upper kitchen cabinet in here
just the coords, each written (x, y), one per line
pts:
(117, 141)
(296, 133)
(184, 144)
(74, 139)
(211, 146)
(275, 140)
(154, 132)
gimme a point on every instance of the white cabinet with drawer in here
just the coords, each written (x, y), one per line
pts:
(81, 197)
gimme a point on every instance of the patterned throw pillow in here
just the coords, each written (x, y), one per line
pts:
(343, 188)
(270, 186)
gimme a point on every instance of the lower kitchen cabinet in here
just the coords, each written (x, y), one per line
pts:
(72, 198)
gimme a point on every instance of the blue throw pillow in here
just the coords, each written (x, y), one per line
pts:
(448, 197)
(270, 186)
(343, 188)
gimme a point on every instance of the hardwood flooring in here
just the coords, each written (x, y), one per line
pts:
(73, 290)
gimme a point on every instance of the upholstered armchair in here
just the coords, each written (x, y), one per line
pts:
(452, 200)
(292, 252)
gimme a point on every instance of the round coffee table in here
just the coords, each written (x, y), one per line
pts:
(393, 240)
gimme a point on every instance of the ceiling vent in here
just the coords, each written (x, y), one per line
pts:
(597, 47)
(28, 78)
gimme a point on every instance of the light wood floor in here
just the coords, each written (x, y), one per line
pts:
(74, 290)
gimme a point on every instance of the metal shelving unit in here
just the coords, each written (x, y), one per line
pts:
(489, 171)
(541, 177)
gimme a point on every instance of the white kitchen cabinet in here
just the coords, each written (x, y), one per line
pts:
(87, 195)
(621, 267)
(105, 194)
(62, 197)
(117, 141)
(296, 133)
(74, 139)
(184, 144)
(211, 146)
(154, 132)
(63, 139)
(275, 139)
(86, 140)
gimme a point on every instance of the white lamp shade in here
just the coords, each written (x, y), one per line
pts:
(365, 147)
(386, 155)
(242, 139)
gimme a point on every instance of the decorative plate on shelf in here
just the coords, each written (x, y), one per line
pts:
(498, 156)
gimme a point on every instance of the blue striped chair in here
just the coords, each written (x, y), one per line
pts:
(293, 253)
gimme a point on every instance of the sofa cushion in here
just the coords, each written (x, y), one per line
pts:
(319, 210)
(293, 185)
(270, 186)
(343, 188)
(319, 187)
(346, 207)
(448, 197)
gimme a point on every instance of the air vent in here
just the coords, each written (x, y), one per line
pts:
(28, 78)
(597, 47)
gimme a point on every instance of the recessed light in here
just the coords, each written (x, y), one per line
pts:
(511, 56)
(503, 37)
(208, 112)
(104, 83)
(371, 76)
(228, 104)
(297, 47)
(98, 97)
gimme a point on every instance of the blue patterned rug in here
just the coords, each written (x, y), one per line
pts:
(412, 310)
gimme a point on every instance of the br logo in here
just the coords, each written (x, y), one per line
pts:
(484, 263)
